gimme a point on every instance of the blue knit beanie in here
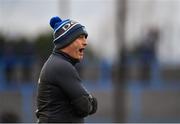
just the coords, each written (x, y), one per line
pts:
(66, 31)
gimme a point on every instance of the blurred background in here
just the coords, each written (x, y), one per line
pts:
(131, 65)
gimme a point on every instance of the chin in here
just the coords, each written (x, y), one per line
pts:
(80, 58)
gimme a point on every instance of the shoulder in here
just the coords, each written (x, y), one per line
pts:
(55, 68)
(56, 63)
(59, 69)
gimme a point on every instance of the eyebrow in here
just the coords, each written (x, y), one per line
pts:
(82, 35)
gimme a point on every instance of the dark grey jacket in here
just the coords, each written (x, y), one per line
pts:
(61, 95)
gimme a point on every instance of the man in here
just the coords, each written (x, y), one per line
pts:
(61, 95)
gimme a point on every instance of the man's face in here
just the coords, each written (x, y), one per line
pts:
(76, 48)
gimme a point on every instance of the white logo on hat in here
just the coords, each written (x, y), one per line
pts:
(68, 25)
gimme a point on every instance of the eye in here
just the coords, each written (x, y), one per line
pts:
(81, 36)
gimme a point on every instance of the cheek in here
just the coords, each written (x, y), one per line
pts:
(76, 47)
(76, 50)
(78, 43)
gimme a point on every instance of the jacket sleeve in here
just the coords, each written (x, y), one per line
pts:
(68, 79)
(85, 105)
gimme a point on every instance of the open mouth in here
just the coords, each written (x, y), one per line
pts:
(81, 50)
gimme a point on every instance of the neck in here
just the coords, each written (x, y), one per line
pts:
(65, 51)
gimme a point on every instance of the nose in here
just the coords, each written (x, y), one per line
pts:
(85, 43)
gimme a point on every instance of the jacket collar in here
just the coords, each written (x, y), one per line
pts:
(65, 56)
